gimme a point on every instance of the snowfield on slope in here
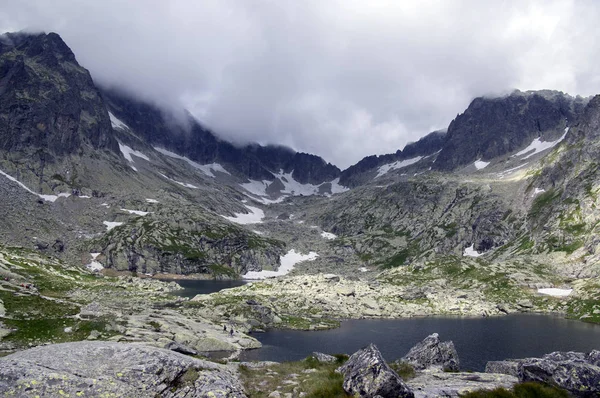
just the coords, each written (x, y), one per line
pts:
(128, 154)
(47, 198)
(207, 169)
(112, 224)
(328, 235)
(116, 123)
(183, 184)
(287, 264)
(396, 165)
(95, 265)
(290, 187)
(471, 252)
(480, 164)
(552, 291)
(255, 216)
(538, 146)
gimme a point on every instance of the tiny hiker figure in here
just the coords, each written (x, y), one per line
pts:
(224, 328)
(231, 332)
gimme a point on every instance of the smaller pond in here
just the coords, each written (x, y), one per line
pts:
(192, 287)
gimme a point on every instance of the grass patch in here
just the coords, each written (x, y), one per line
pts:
(404, 370)
(321, 380)
(524, 390)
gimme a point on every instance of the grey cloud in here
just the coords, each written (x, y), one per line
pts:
(339, 78)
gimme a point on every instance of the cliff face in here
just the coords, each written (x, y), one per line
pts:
(492, 127)
(49, 106)
(191, 139)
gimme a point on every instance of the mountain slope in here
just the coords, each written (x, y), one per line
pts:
(190, 139)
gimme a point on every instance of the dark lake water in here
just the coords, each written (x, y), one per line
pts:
(477, 340)
(193, 287)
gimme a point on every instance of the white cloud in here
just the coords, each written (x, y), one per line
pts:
(341, 78)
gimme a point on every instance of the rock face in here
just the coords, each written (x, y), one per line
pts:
(432, 352)
(357, 173)
(576, 372)
(491, 127)
(113, 369)
(436, 383)
(201, 145)
(367, 375)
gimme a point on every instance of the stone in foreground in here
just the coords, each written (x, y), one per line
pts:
(431, 352)
(113, 369)
(576, 372)
(367, 375)
(326, 358)
(437, 383)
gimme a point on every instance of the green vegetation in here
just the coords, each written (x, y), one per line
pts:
(541, 203)
(321, 382)
(524, 390)
(404, 370)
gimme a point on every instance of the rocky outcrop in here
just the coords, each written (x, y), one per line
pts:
(326, 358)
(362, 171)
(113, 369)
(576, 372)
(367, 375)
(195, 141)
(431, 352)
(491, 127)
(435, 383)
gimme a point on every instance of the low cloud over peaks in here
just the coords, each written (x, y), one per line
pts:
(341, 79)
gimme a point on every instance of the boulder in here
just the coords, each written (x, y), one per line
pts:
(507, 367)
(578, 377)
(319, 356)
(180, 348)
(576, 372)
(431, 352)
(367, 375)
(101, 368)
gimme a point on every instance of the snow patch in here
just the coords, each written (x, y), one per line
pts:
(47, 198)
(116, 123)
(258, 232)
(504, 173)
(471, 252)
(363, 269)
(255, 216)
(183, 184)
(105, 205)
(538, 146)
(111, 224)
(287, 264)
(328, 235)
(337, 188)
(479, 164)
(537, 191)
(205, 168)
(552, 291)
(128, 154)
(152, 201)
(290, 187)
(84, 196)
(95, 266)
(137, 212)
(396, 165)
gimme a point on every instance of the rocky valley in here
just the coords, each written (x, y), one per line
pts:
(105, 199)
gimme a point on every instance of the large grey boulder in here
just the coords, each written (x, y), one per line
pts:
(576, 372)
(432, 352)
(113, 369)
(367, 375)
(507, 367)
(578, 377)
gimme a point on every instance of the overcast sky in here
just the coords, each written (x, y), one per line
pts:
(339, 78)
